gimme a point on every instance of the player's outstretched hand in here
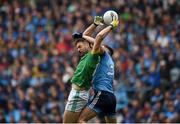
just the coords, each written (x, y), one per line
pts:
(114, 23)
(98, 20)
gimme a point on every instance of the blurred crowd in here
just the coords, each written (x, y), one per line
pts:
(38, 58)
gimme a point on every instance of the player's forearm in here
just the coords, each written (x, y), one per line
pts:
(102, 34)
(99, 38)
(89, 31)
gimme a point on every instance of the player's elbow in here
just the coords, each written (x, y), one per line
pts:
(85, 33)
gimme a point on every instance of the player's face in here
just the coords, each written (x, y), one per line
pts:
(82, 47)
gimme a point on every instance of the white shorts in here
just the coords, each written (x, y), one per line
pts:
(77, 100)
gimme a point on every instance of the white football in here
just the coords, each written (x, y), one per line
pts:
(109, 16)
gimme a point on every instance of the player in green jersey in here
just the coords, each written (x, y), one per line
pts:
(81, 80)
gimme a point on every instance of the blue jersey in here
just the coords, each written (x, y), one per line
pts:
(104, 74)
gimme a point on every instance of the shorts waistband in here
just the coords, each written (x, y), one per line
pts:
(77, 88)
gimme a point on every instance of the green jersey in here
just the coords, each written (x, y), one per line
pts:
(85, 69)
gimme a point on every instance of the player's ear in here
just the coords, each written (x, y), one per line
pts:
(91, 45)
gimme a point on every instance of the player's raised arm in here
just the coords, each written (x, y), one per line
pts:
(101, 35)
(98, 20)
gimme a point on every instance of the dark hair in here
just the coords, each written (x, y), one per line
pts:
(110, 49)
(77, 37)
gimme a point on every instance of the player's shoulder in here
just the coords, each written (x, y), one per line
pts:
(92, 57)
(94, 53)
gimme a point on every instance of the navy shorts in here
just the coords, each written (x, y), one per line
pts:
(103, 103)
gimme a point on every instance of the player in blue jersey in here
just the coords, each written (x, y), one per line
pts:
(104, 101)
(83, 75)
